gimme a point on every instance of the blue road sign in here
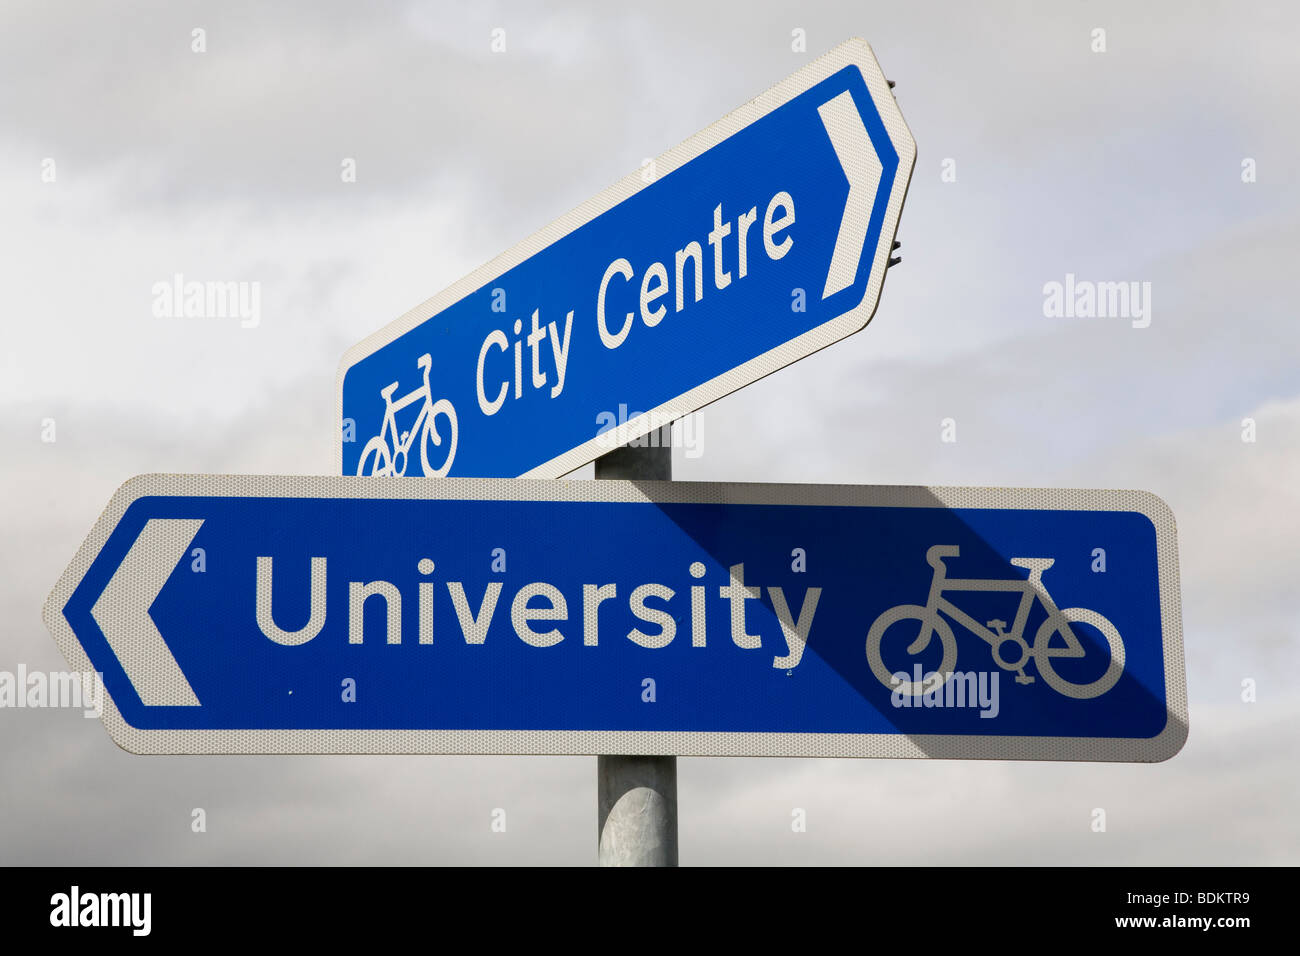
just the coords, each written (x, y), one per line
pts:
(342, 615)
(753, 244)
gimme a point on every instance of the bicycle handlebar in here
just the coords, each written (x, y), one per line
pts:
(936, 553)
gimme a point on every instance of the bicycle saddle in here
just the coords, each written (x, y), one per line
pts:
(1033, 564)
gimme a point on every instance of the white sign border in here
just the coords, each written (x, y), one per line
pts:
(855, 52)
(570, 742)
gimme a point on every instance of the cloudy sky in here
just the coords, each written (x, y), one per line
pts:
(1122, 165)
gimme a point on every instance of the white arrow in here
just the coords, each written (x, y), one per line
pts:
(122, 612)
(862, 167)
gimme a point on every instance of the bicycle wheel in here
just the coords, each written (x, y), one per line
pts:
(931, 623)
(376, 459)
(430, 437)
(1059, 623)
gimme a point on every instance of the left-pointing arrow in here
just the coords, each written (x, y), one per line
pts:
(122, 612)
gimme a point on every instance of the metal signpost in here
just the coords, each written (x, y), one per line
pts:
(636, 795)
(751, 245)
(344, 615)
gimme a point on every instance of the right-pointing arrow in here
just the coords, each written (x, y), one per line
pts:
(122, 612)
(862, 167)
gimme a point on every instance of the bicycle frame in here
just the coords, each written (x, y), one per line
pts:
(390, 417)
(934, 616)
(388, 452)
(1028, 588)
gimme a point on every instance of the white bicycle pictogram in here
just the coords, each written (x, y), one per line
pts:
(1042, 653)
(388, 453)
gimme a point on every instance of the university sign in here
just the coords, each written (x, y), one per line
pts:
(246, 614)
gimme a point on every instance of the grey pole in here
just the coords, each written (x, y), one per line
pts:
(637, 795)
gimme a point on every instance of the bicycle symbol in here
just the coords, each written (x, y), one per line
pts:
(995, 633)
(388, 453)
